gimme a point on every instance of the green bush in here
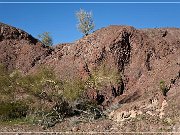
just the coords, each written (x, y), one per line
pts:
(88, 110)
(14, 110)
(163, 88)
(46, 99)
(103, 76)
(48, 118)
(46, 39)
(73, 90)
(5, 81)
(41, 85)
(44, 81)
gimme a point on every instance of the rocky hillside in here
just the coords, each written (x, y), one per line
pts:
(19, 50)
(142, 57)
(128, 66)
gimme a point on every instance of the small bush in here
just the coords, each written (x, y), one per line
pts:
(88, 110)
(57, 113)
(42, 82)
(46, 39)
(163, 88)
(103, 76)
(5, 81)
(63, 108)
(73, 90)
(14, 110)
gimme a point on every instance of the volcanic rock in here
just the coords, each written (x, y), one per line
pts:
(143, 57)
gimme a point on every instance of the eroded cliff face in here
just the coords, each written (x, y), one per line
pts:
(141, 57)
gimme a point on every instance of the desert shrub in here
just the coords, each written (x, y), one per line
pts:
(8, 83)
(42, 83)
(47, 101)
(5, 82)
(48, 118)
(163, 88)
(88, 110)
(73, 89)
(85, 111)
(13, 110)
(103, 76)
(46, 39)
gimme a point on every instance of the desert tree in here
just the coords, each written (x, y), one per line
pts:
(85, 21)
(46, 39)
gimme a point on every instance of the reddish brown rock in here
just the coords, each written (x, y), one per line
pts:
(143, 57)
(19, 50)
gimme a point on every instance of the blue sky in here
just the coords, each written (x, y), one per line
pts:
(60, 20)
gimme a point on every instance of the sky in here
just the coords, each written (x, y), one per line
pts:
(60, 20)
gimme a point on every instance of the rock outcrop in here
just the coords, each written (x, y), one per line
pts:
(142, 57)
(19, 50)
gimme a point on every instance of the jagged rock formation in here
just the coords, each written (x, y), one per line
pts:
(19, 50)
(143, 57)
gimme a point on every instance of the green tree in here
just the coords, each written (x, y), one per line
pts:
(46, 39)
(85, 21)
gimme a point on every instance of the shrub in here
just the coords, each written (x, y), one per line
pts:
(46, 39)
(48, 118)
(8, 82)
(5, 82)
(43, 81)
(12, 110)
(73, 89)
(87, 109)
(41, 85)
(103, 76)
(163, 88)
(47, 100)
(85, 21)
